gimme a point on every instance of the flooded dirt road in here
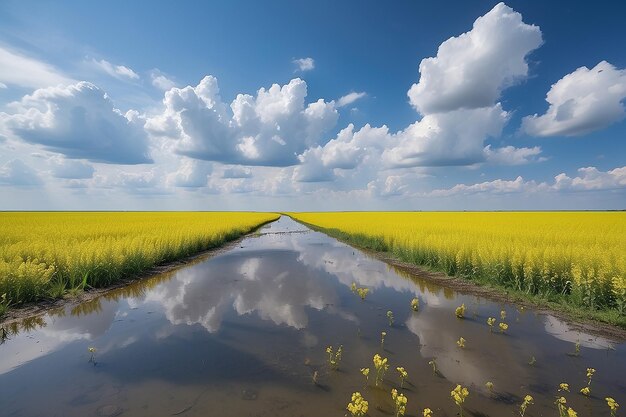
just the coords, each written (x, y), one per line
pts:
(244, 332)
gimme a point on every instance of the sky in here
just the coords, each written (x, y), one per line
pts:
(300, 106)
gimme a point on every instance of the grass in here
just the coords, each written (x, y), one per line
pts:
(49, 255)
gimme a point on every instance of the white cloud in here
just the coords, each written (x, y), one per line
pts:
(17, 173)
(23, 71)
(457, 95)
(443, 139)
(270, 129)
(70, 169)
(78, 121)
(510, 155)
(581, 102)
(191, 174)
(471, 70)
(588, 179)
(496, 186)
(161, 81)
(118, 71)
(304, 64)
(350, 98)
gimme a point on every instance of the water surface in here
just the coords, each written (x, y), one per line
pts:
(242, 333)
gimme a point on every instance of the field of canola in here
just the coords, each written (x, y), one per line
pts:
(49, 254)
(577, 257)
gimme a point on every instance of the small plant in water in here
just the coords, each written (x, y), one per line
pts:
(503, 327)
(434, 365)
(489, 386)
(334, 358)
(314, 378)
(585, 391)
(92, 359)
(577, 348)
(362, 292)
(353, 287)
(564, 410)
(403, 375)
(366, 374)
(415, 304)
(460, 311)
(528, 400)
(564, 386)
(400, 401)
(590, 372)
(461, 342)
(491, 321)
(382, 339)
(458, 395)
(428, 412)
(381, 366)
(503, 315)
(390, 317)
(532, 361)
(357, 406)
(613, 405)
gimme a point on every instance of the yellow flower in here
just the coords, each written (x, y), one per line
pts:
(585, 391)
(459, 394)
(415, 304)
(365, 371)
(489, 385)
(400, 402)
(571, 413)
(460, 311)
(613, 405)
(461, 342)
(503, 327)
(92, 349)
(491, 321)
(428, 412)
(358, 406)
(503, 315)
(564, 387)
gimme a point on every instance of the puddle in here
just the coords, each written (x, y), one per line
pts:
(243, 333)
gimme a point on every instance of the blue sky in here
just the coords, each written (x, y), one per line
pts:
(95, 112)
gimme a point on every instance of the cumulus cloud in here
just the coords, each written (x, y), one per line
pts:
(581, 102)
(191, 174)
(457, 95)
(161, 81)
(24, 71)
(79, 121)
(350, 98)
(472, 69)
(120, 72)
(510, 155)
(304, 64)
(270, 129)
(17, 173)
(442, 139)
(70, 169)
(588, 179)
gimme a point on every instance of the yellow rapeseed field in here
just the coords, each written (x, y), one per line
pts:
(47, 254)
(579, 256)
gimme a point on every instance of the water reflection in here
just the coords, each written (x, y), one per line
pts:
(248, 328)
